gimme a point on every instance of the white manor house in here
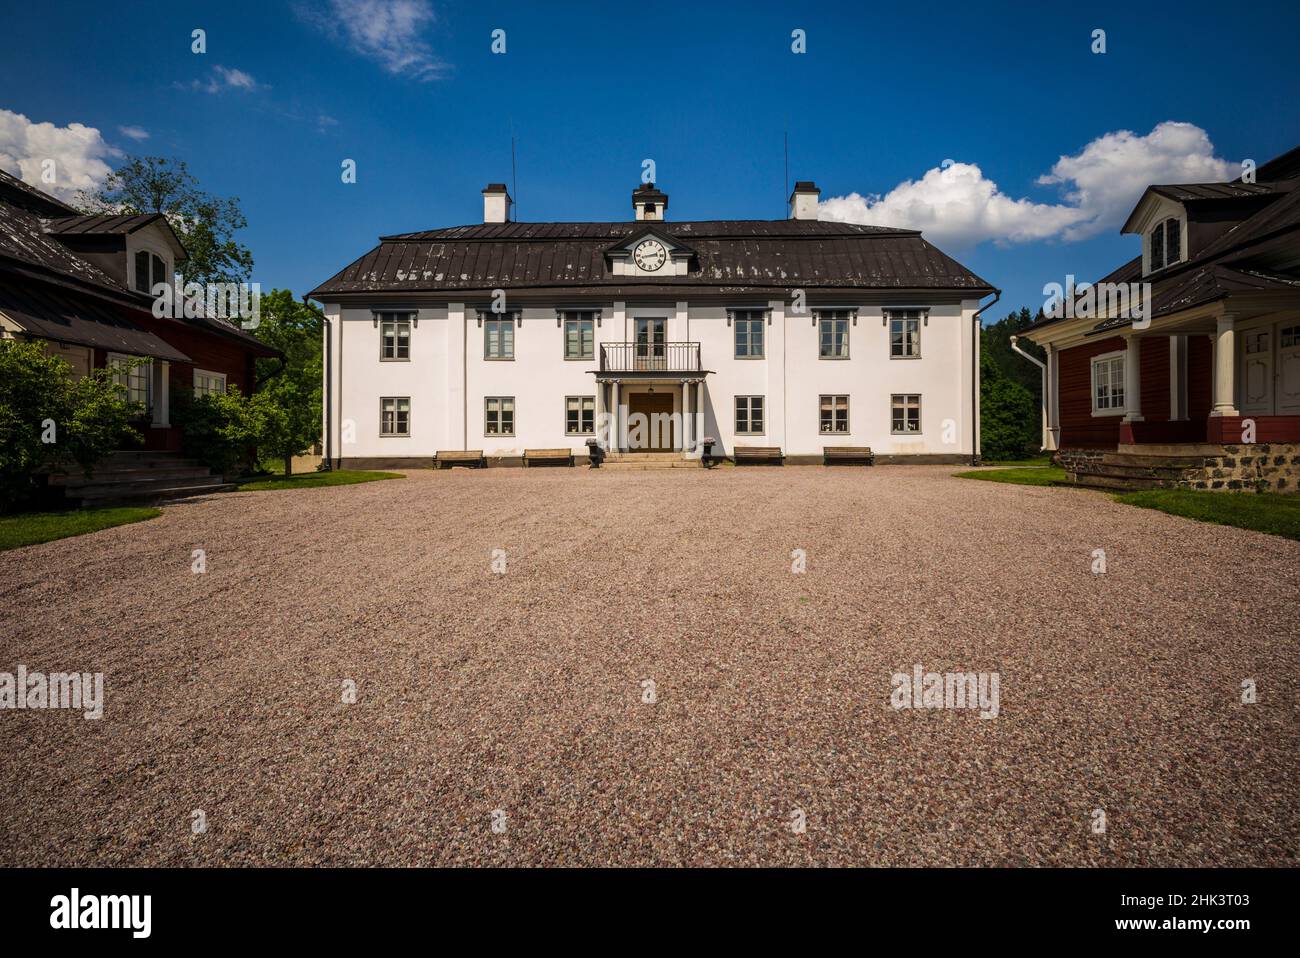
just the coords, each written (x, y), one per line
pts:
(506, 342)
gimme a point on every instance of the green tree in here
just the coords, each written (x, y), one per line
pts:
(49, 420)
(206, 224)
(995, 342)
(1010, 419)
(294, 328)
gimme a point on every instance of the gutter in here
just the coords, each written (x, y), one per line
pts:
(329, 383)
(976, 329)
(1042, 373)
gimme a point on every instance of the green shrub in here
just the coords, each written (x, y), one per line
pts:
(225, 430)
(49, 420)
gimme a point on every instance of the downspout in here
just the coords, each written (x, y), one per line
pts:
(1042, 374)
(976, 329)
(329, 389)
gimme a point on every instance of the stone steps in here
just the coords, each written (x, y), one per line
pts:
(138, 477)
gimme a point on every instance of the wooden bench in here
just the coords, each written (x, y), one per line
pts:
(859, 454)
(563, 457)
(759, 454)
(459, 457)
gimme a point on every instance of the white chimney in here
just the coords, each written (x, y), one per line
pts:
(649, 202)
(803, 201)
(496, 204)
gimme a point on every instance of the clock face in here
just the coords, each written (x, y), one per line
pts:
(650, 255)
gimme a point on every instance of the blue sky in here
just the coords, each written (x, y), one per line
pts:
(885, 94)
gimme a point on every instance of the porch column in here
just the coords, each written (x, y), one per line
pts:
(686, 415)
(1177, 378)
(1132, 379)
(1225, 365)
(600, 407)
(162, 393)
(615, 422)
(1052, 399)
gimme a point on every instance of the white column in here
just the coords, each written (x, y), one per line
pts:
(1053, 397)
(1225, 365)
(1177, 378)
(616, 420)
(686, 415)
(600, 407)
(1132, 379)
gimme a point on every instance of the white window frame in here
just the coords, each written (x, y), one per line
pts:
(1163, 228)
(398, 321)
(158, 262)
(1120, 357)
(124, 377)
(498, 323)
(207, 389)
(747, 403)
(384, 431)
(907, 402)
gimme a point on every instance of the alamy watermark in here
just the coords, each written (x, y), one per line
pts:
(82, 691)
(237, 302)
(1098, 301)
(946, 690)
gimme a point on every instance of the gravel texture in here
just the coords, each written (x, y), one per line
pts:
(522, 692)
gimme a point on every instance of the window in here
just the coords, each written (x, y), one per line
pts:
(749, 415)
(394, 336)
(579, 335)
(905, 414)
(499, 416)
(580, 415)
(395, 416)
(904, 334)
(135, 379)
(208, 383)
(499, 337)
(1290, 336)
(1108, 384)
(1166, 244)
(749, 332)
(834, 414)
(834, 325)
(149, 271)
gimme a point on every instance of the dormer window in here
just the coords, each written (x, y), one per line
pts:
(149, 271)
(1166, 244)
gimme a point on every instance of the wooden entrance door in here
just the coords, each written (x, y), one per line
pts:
(1257, 372)
(657, 431)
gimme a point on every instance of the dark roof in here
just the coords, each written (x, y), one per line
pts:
(110, 223)
(24, 240)
(1192, 192)
(69, 317)
(733, 254)
(13, 190)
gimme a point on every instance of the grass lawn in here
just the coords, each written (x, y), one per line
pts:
(28, 529)
(1026, 476)
(1036, 461)
(1260, 512)
(310, 480)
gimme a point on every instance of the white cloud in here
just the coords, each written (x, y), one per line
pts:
(226, 78)
(133, 132)
(78, 152)
(958, 206)
(390, 32)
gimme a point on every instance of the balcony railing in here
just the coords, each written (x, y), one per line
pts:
(650, 357)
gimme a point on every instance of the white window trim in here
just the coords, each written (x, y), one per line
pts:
(395, 400)
(1092, 383)
(210, 374)
(113, 358)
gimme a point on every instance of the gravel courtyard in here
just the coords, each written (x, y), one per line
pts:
(480, 692)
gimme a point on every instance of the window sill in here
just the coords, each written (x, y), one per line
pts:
(394, 359)
(1106, 413)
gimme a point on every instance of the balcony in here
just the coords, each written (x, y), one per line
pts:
(650, 358)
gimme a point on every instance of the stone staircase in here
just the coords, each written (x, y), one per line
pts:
(1129, 471)
(632, 461)
(137, 478)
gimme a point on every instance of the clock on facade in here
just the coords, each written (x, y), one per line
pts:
(650, 255)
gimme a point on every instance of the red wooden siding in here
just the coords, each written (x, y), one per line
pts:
(1079, 428)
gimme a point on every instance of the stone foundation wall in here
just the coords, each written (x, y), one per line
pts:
(1071, 459)
(1263, 467)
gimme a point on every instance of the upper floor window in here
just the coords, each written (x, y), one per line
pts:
(499, 337)
(1166, 244)
(394, 336)
(1108, 384)
(579, 335)
(749, 333)
(150, 269)
(904, 333)
(208, 383)
(833, 325)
